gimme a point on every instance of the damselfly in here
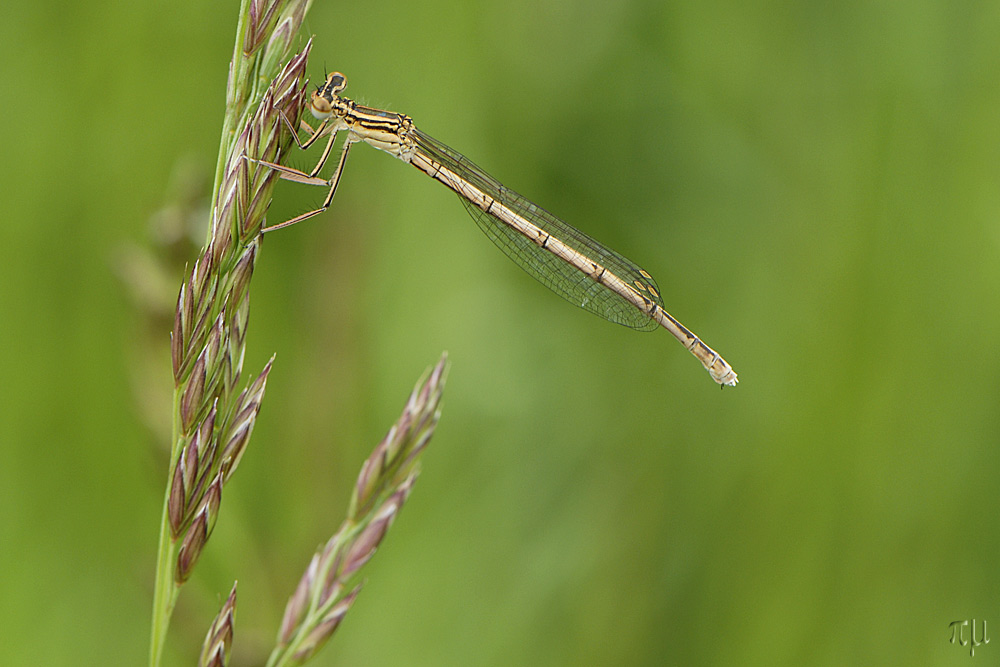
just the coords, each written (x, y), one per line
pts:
(567, 261)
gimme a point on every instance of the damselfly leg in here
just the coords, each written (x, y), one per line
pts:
(310, 178)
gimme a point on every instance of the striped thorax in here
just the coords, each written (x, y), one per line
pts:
(385, 130)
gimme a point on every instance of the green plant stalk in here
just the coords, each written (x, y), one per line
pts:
(329, 586)
(230, 118)
(167, 589)
(211, 424)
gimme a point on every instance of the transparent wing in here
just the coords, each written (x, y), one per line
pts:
(564, 279)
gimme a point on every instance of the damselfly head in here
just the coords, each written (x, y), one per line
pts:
(334, 84)
(320, 106)
(327, 93)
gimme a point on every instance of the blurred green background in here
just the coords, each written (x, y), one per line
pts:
(816, 187)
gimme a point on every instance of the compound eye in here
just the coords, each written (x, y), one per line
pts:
(320, 107)
(335, 83)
